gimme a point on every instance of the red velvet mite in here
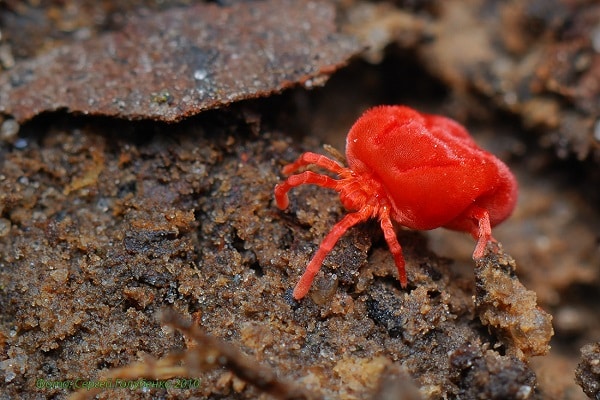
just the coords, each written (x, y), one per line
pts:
(422, 171)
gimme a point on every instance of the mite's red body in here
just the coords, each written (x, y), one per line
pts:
(422, 171)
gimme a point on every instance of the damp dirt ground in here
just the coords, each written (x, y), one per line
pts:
(134, 250)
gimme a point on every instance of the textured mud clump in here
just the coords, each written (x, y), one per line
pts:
(484, 374)
(587, 374)
(505, 305)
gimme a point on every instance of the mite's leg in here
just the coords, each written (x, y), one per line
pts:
(328, 243)
(319, 160)
(484, 232)
(395, 248)
(307, 177)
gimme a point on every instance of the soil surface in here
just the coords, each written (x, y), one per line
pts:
(141, 251)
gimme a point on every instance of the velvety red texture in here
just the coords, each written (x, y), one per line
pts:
(421, 171)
